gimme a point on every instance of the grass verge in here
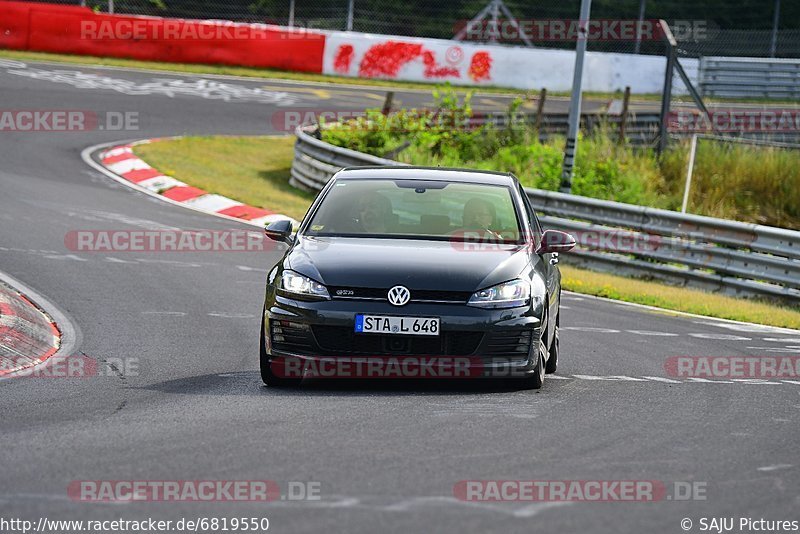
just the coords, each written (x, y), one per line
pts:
(255, 170)
(677, 298)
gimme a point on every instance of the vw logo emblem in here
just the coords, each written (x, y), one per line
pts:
(399, 295)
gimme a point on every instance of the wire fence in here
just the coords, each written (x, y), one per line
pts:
(710, 28)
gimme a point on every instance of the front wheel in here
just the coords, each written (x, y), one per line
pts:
(536, 378)
(552, 360)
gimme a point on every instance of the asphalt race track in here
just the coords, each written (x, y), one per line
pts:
(386, 455)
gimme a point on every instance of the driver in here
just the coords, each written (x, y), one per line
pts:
(373, 213)
(480, 214)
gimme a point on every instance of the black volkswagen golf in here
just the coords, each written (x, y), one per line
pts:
(437, 272)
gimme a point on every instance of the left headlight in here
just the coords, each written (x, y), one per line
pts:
(295, 283)
(506, 295)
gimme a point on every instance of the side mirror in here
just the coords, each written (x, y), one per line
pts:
(555, 241)
(280, 231)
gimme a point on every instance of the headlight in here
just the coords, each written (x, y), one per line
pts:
(505, 295)
(292, 282)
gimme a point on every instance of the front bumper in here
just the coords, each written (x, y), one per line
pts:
(499, 342)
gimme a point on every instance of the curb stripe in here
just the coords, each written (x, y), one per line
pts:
(160, 183)
(215, 203)
(124, 149)
(246, 212)
(121, 161)
(108, 160)
(141, 174)
(128, 165)
(28, 337)
(182, 193)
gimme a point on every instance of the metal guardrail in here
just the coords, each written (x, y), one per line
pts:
(750, 77)
(315, 161)
(722, 255)
(716, 254)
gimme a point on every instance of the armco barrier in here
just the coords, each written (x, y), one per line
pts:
(745, 77)
(316, 161)
(717, 254)
(78, 30)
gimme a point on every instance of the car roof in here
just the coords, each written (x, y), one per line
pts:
(403, 172)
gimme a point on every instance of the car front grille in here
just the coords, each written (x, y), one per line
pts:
(417, 295)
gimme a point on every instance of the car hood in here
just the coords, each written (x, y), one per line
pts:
(416, 264)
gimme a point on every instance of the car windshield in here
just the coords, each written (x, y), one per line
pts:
(416, 209)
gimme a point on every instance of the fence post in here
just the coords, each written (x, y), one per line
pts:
(350, 8)
(776, 20)
(639, 27)
(571, 145)
(624, 118)
(665, 100)
(540, 113)
(689, 170)
(387, 103)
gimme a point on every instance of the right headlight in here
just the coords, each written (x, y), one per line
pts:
(506, 295)
(296, 283)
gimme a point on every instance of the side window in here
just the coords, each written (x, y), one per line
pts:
(536, 227)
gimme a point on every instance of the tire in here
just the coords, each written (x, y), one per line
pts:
(536, 378)
(267, 376)
(552, 361)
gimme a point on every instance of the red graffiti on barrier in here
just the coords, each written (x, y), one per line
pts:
(480, 67)
(432, 70)
(386, 60)
(344, 56)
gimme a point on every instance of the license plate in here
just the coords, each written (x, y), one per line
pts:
(387, 324)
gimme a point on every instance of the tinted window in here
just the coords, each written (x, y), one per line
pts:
(414, 209)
